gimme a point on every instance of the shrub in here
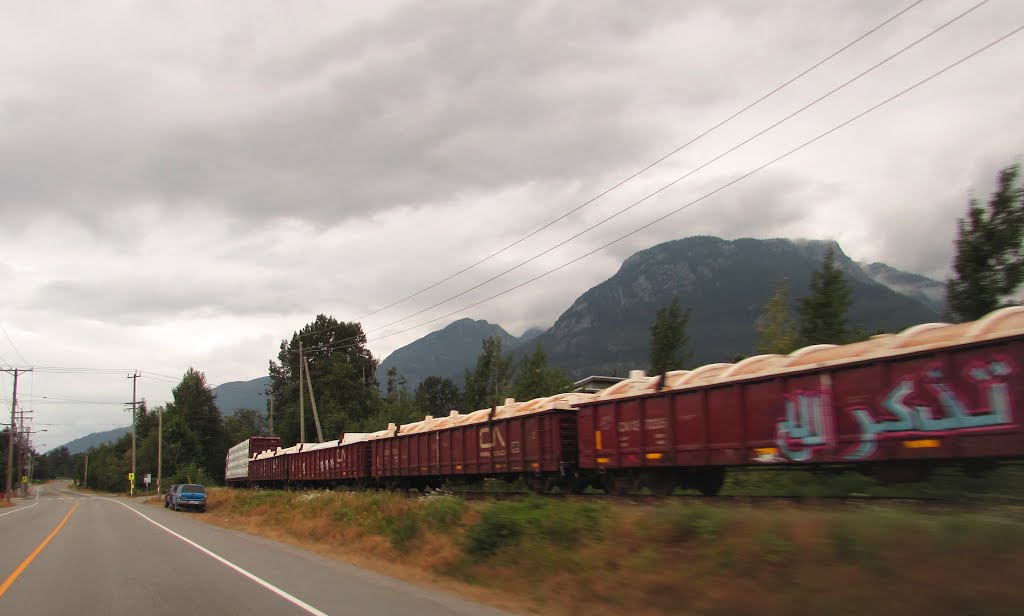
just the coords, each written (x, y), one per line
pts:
(499, 526)
(683, 523)
(504, 524)
(443, 512)
(403, 529)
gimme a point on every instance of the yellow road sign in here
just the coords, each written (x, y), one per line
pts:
(131, 476)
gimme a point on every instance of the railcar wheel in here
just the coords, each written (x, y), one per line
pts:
(618, 483)
(539, 485)
(710, 481)
(660, 482)
(573, 484)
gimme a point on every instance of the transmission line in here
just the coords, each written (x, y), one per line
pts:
(6, 335)
(634, 175)
(694, 170)
(720, 188)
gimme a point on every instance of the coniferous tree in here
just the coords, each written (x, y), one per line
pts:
(343, 373)
(536, 379)
(823, 311)
(196, 406)
(776, 329)
(437, 396)
(989, 261)
(669, 340)
(489, 381)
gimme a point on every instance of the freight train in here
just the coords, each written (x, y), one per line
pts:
(896, 406)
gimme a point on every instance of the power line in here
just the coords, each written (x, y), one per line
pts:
(692, 171)
(637, 173)
(12, 343)
(724, 186)
(56, 400)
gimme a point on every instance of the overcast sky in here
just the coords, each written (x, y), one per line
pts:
(185, 184)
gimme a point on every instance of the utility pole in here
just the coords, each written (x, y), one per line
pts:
(269, 393)
(302, 409)
(312, 402)
(159, 445)
(135, 381)
(23, 445)
(10, 434)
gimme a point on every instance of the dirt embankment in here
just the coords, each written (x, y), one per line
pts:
(572, 557)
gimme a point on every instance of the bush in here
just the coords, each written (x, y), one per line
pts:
(246, 501)
(683, 523)
(504, 524)
(498, 527)
(443, 512)
(403, 529)
(192, 473)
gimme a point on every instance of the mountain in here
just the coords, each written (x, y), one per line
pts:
(725, 283)
(606, 331)
(931, 293)
(231, 397)
(236, 395)
(446, 353)
(81, 445)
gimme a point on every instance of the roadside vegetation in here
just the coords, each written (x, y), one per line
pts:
(576, 556)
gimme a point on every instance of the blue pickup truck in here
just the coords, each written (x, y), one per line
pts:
(189, 496)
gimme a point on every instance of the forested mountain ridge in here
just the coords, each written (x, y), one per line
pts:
(80, 445)
(446, 352)
(726, 284)
(929, 292)
(231, 397)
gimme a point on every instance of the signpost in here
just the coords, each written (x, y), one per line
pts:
(147, 479)
(131, 484)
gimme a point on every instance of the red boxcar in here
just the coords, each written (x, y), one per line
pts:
(271, 468)
(899, 403)
(535, 439)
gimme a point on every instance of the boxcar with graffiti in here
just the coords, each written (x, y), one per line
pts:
(895, 405)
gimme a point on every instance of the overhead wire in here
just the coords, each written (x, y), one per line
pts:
(646, 168)
(720, 188)
(692, 171)
(6, 335)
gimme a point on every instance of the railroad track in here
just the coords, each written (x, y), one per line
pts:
(852, 500)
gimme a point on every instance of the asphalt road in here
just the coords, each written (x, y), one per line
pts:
(113, 556)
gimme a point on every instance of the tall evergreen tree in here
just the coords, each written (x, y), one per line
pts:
(989, 261)
(245, 423)
(823, 311)
(669, 340)
(343, 373)
(196, 406)
(489, 381)
(437, 396)
(536, 379)
(776, 329)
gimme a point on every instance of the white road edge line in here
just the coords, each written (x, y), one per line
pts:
(19, 509)
(274, 589)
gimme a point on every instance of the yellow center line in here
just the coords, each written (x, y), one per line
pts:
(10, 579)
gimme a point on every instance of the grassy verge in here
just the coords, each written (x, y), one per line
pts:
(572, 557)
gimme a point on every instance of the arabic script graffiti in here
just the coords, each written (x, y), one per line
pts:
(949, 415)
(808, 428)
